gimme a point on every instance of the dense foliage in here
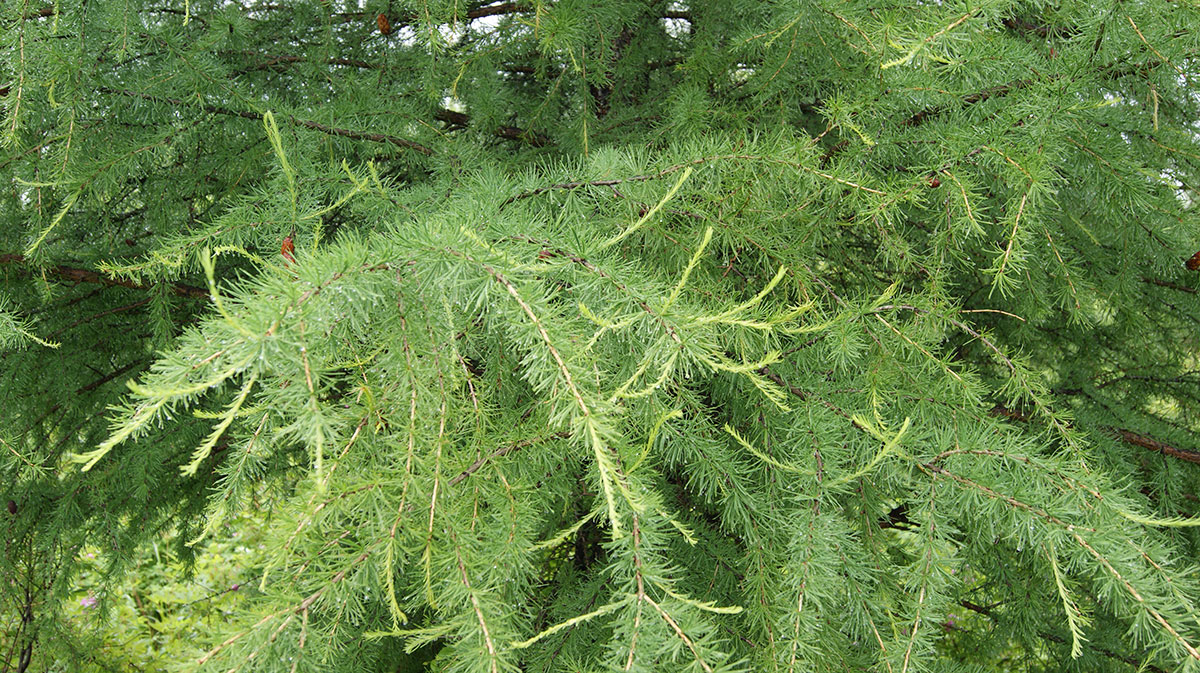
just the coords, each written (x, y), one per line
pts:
(801, 335)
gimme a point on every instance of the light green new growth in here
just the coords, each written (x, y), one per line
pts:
(712, 336)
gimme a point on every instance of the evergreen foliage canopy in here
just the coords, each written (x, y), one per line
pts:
(718, 335)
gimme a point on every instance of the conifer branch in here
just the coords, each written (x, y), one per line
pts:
(641, 592)
(926, 114)
(1157, 53)
(362, 135)
(42, 13)
(477, 11)
(461, 120)
(473, 596)
(1072, 531)
(501, 452)
(1136, 595)
(112, 375)
(1045, 635)
(1128, 436)
(273, 62)
(545, 430)
(679, 632)
(95, 316)
(1169, 286)
(78, 275)
(1135, 439)
(695, 162)
(305, 123)
(606, 458)
(548, 252)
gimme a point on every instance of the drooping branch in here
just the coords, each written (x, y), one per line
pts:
(77, 275)
(602, 94)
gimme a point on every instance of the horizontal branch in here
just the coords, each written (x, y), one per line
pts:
(96, 316)
(1042, 30)
(971, 99)
(109, 377)
(1135, 439)
(496, 10)
(461, 120)
(452, 117)
(1169, 286)
(48, 10)
(78, 275)
(306, 123)
(1128, 436)
(274, 61)
(362, 135)
(680, 166)
(503, 451)
(990, 614)
(408, 18)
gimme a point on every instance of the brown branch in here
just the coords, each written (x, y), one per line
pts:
(694, 162)
(1042, 30)
(306, 123)
(516, 133)
(978, 97)
(804, 395)
(119, 309)
(503, 451)
(455, 119)
(274, 61)
(1169, 286)
(473, 13)
(409, 18)
(1128, 436)
(496, 10)
(78, 275)
(1135, 439)
(987, 612)
(362, 135)
(1001, 411)
(42, 13)
(602, 94)
(459, 120)
(778, 380)
(108, 377)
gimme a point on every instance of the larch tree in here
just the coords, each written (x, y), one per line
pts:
(556, 335)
